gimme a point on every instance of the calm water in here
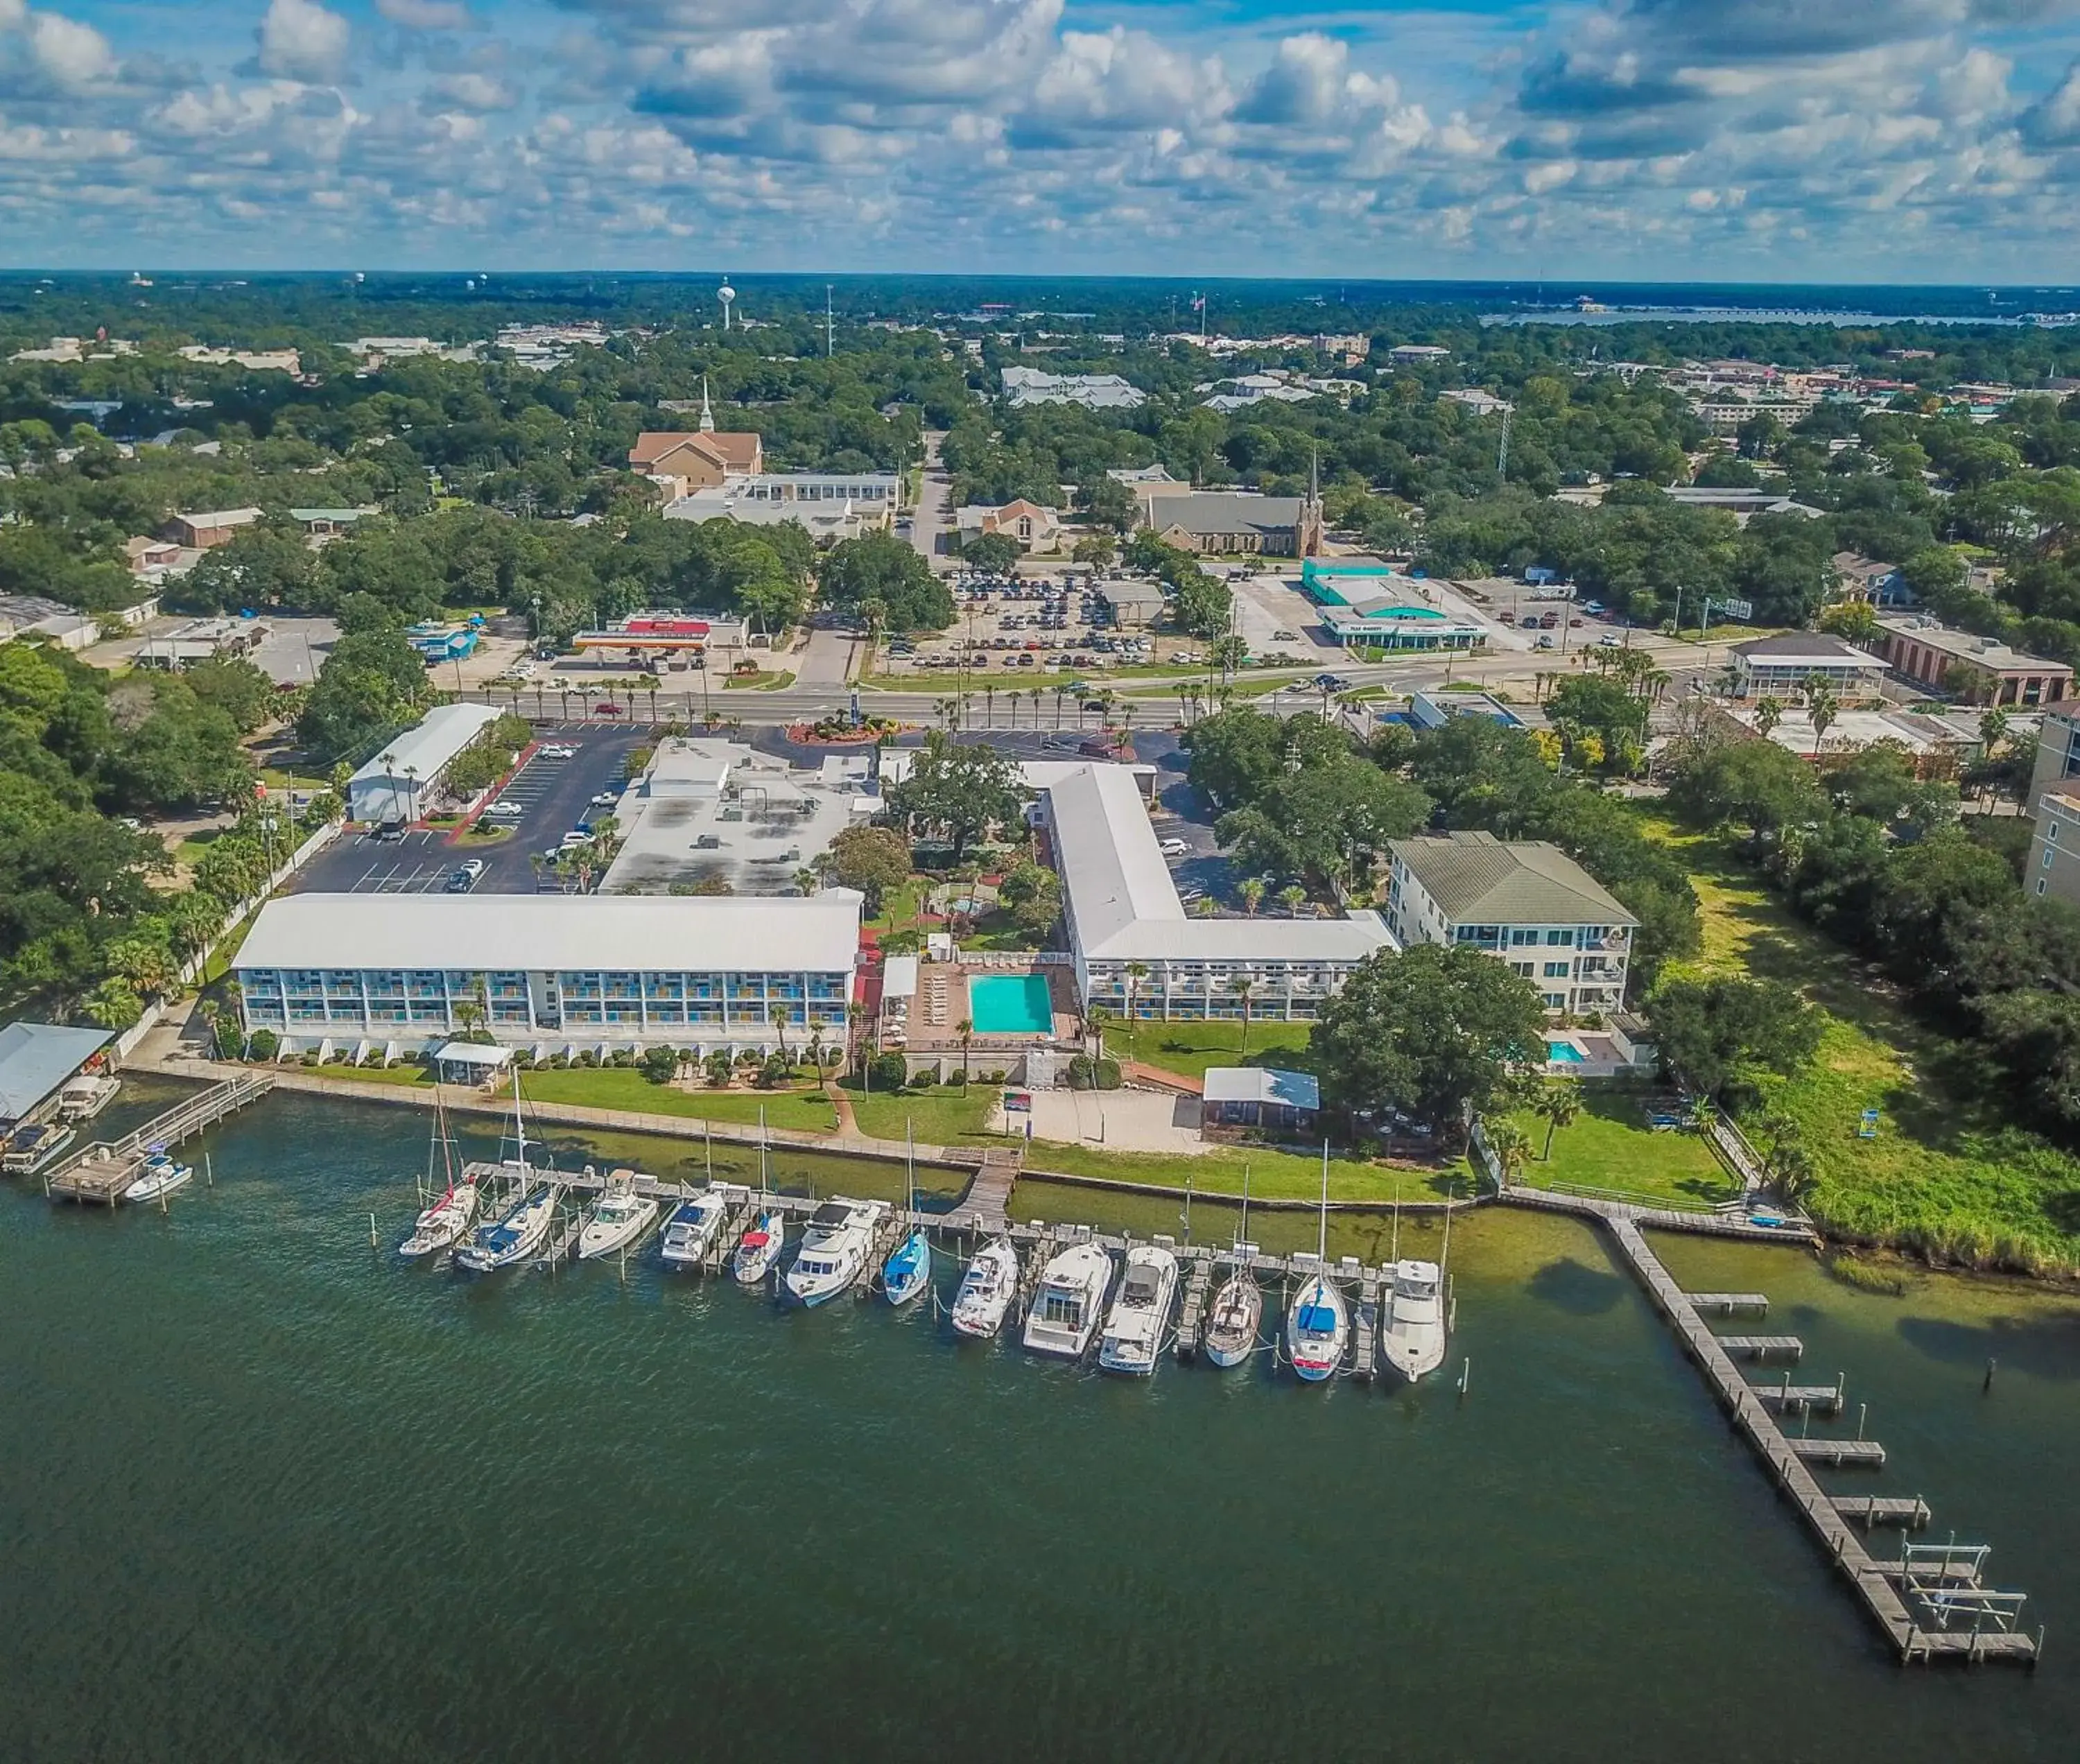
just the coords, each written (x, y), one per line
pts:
(271, 1495)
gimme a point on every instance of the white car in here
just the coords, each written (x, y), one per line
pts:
(607, 799)
(503, 810)
(1174, 848)
(573, 840)
(557, 752)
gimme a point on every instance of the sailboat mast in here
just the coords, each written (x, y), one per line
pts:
(762, 1147)
(910, 1162)
(1444, 1255)
(1397, 1219)
(519, 1125)
(1322, 1241)
(1242, 1233)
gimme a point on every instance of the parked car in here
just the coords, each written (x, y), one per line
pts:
(1175, 848)
(390, 831)
(1544, 643)
(466, 876)
(605, 799)
(573, 840)
(607, 710)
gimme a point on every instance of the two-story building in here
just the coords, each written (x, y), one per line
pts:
(1781, 667)
(1524, 902)
(549, 969)
(1982, 670)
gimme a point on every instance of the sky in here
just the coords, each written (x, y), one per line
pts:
(1828, 141)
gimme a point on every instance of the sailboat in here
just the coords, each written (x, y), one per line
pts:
(525, 1226)
(758, 1251)
(621, 1216)
(1319, 1326)
(442, 1224)
(907, 1272)
(986, 1289)
(1237, 1311)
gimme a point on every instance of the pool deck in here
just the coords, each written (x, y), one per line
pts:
(946, 998)
(986, 991)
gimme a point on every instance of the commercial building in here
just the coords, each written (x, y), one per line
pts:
(1983, 669)
(1123, 912)
(1035, 526)
(203, 532)
(1233, 522)
(201, 639)
(400, 782)
(37, 1060)
(1133, 603)
(1780, 667)
(1526, 903)
(2057, 748)
(1385, 628)
(2054, 852)
(1094, 391)
(655, 635)
(1261, 1097)
(548, 970)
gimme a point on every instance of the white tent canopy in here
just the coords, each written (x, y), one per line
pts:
(472, 1053)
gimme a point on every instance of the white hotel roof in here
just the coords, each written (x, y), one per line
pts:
(503, 932)
(1125, 906)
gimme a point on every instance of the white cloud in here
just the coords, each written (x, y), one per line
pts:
(301, 40)
(426, 15)
(70, 52)
(475, 92)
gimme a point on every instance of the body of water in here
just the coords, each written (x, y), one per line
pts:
(272, 1495)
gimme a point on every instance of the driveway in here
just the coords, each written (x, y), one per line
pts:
(828, 657)
(1122, 1120)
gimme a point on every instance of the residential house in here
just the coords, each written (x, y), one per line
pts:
(1482, 403)
(1524, 902)
(1865, 579)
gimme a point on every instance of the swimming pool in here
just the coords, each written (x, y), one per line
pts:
(1010, 1005)
(1403, 612)
(1557, 1052)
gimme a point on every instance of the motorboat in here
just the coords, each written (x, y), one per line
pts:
(1413, 1341)
(1071, 1301)
(758, 1250)
(518, 1235)
(32, 1145)
(1236, 1315)
(907, 1272)
(1319, 1325)
(619, 1218)
(835, 1245)
(1318, 1328)
(160, 1176)
(1134, 1327)
(688, 1237)
(986, 1289)
(441, 1225)
(86, 1096)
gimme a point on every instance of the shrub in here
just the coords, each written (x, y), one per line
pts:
(623, 1057)
(523, 1059)
(311, 1057)
(1105, 1074)
(992, 1078)
(957, 1078)
(589, 1058)
(660, 1065)
(888, 1071)
(720, 1067)
(559, 1062)
(264, 1045)
(1080, 1074)
(775, 1072)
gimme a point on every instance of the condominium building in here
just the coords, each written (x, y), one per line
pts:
(1132, 942)
(548, 970)
(1526, 903)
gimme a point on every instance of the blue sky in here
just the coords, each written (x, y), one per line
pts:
(1934, 141)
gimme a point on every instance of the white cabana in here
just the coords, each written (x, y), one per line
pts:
(476, 1060)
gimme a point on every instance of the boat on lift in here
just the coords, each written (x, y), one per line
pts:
(86, 1096)
(1134, 1327)
(1236, 1314)
(1070, 1302)
(835, 1245)
(1318, 1328)
(987, 1290)
(1413, 1342)
(619, 1219)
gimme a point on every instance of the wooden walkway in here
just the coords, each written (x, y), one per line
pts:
(104, 1171)
(1762, 1346)
(1786, 1460)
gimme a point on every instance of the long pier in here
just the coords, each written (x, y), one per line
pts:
(1918, 1630)
(104, 1171)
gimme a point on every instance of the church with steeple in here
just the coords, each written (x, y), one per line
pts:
(680, 462)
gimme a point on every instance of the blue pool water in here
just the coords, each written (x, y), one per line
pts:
(1563, 1053)
(1405, 612)
(1010, 1005)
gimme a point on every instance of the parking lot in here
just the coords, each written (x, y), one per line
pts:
(1051, 624)
(555, 793)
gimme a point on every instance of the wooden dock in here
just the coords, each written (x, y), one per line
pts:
(1911, 1511)
(1828, 1399)
(985, 1206)
(1760, 1346)
(1364, 1327)
(1729, 1301)
(1915, 1615)
(1192, 1314)
(101, 1172)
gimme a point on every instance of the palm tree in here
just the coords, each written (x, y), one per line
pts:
(1293, 897)
(1250, 888)
(1061, 693)
(805, 881)
(965, 1029)
(817, 1025)
(1795, 1174)
(1512, 1146)
(1822, 706)
(1243, 986)
(1559, 1101)
(988, 705)
(1094, 1020)
(1136, 972)
(1769, 713)
(779, 1015)
(1704, 1114)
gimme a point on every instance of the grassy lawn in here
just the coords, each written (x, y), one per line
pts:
(1189, 1048)
(765, 680)
(618, 1087)
(1274, 1174)
(1946, 1175)
(406, 1074)
(899, 906)
(1609, 1146)
(942, 1115)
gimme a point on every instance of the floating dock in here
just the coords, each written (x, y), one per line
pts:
(102, 1172)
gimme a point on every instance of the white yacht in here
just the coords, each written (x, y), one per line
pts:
(161, 1175)
(619, 1219)
(758, 1251)
(986, 1289)
(1134, 1328)
(836, 1244)
(443, 1223)
(1413, 1341)
(1070, 1300)
(520, 1234)
(689, 1234)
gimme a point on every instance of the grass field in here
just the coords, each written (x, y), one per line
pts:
(1946, 1175)
(764, 681)
(1273, 1175)
(616, 1087)
(942, 1115)
(1609, 1146)
(1189, 1048)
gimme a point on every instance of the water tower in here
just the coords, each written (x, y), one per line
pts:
(725, 294)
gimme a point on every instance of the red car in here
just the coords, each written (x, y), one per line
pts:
(606, 710)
